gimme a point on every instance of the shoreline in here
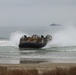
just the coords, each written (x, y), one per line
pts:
(40, 65)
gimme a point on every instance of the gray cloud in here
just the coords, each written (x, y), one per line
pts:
(38, 2)
(35, 2)
(36, 12)
(35, 16)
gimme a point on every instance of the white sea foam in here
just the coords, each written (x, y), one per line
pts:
(13, 39)
(5, 43)
(64, 37)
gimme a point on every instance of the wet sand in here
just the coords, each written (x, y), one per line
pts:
(39, 66)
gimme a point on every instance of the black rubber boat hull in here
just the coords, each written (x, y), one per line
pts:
(31, 45)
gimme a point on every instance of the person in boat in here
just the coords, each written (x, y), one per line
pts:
(25, 37)
(36, 39)
(42, 39)
(42, 36)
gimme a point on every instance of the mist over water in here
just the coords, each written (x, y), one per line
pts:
(64, 37)
(13, 39)
(55, 51)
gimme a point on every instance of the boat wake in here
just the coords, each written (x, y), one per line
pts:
(61, 38)
(6, 43)
(13, 39)
(64, 37)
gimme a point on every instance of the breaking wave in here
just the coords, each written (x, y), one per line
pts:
(13, 39)
(66, 36)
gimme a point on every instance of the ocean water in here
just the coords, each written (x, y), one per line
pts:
(13, 55)
(62, 48)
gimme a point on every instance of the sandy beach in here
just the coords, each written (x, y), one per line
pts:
(41, 66)
(38, 69)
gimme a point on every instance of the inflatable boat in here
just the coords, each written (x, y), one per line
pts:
(34, 41)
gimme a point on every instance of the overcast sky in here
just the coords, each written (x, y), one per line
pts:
(36, 12)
